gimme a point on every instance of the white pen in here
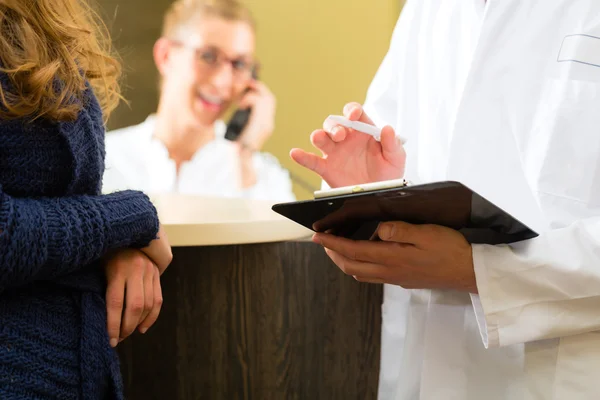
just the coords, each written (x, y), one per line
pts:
(371, 130)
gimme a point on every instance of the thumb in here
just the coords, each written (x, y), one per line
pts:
(399, 232)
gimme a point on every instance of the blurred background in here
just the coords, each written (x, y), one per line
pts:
(254, 310)
(315, 56)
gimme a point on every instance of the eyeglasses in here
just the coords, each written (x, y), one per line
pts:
(211, 59)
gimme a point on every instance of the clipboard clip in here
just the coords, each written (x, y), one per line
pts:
(367, 187)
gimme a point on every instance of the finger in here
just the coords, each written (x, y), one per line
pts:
(156, 307)
(134, 302)
(364, 250)
(337, 133)
(391, 148)
(355, 112)
(309, 160)
(258, 86)
(148, 289)
(249, 100)
(369, 280)
(357, 268)
(322, 141)
(343, 246)
(403, 232)
(115, 294)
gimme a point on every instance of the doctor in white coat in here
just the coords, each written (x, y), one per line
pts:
(503, 96)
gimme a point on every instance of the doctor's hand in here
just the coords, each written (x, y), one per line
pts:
(411, 256)
(133, 294)
(351, 157)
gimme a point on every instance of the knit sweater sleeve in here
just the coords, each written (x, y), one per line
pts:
(44, 238)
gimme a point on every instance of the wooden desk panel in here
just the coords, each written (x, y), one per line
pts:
(260, 321)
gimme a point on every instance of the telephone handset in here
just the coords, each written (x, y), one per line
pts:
(240, 119)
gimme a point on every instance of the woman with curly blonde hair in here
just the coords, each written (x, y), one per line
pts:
(66, 251)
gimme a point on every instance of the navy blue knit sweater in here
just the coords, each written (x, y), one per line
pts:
(54, 228)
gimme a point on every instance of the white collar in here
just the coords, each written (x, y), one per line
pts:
(149, 126)
(156, 147)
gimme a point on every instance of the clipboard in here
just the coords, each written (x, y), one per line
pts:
(355, 212)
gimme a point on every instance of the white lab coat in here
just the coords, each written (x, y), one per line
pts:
(136, 160)
(502, 97)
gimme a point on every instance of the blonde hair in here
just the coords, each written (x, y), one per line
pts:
(50, 50)
(183, 12)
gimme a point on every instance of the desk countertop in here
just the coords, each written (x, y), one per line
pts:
(202, 221)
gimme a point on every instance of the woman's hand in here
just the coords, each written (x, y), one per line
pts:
(133, 295)
(261, 124)
(159, 251)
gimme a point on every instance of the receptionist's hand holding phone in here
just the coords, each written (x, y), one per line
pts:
(253, 123)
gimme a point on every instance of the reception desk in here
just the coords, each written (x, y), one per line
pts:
(252, 310)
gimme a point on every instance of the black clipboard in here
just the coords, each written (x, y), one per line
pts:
(448, 203)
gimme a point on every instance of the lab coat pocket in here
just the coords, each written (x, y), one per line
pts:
(579, 57)
(564, 149)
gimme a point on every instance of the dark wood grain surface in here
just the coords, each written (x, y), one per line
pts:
(267, 321)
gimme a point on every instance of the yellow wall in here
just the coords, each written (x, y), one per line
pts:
(315, 55)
